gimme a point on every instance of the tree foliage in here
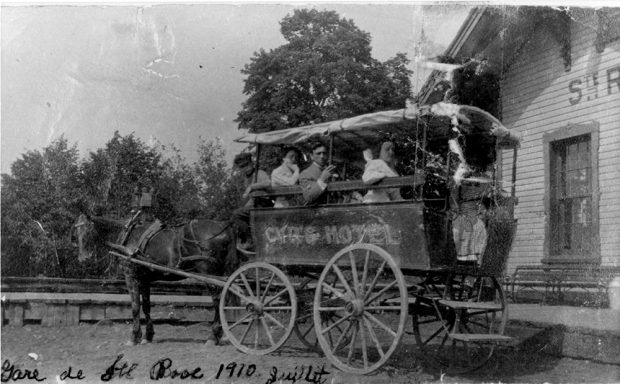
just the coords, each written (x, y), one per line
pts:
(38, 209)
(47, 190)
(325, 71)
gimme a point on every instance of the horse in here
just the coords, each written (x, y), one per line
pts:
(200, 246)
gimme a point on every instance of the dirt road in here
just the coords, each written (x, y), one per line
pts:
(58, 354)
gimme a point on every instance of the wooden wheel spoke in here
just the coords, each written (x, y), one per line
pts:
(443, 342)
(381, 292)
(278, 308)
(374, 338)
(264, 324)
(273, 319)
(363, 337)
(304, 317)
(431, 337)
(245, 333)
(256, 334)
(380, 324)
(375, 279)
(341, 337)
(247, 285)
(356, 286)
(231, 308)
(337, 293)
(241, 320)
(271, 299)
(383, 308)
(364, 274)
(267, 287)
(257, 283)
(481, 325)
(335, 324)
(308, 330)
(236, 291)
(352, 343)
(327, 309)
(344, 282)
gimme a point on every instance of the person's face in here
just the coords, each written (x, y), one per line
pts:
(291, 158)
(387, 152)
(319, 155)
(248, 169)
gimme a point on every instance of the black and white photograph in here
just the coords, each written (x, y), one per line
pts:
(310, 192)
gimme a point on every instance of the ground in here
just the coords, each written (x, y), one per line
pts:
(94, 348)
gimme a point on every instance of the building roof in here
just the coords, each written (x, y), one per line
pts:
(498, 34)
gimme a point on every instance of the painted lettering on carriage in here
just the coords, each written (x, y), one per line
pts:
(382, 234)
(307, 374)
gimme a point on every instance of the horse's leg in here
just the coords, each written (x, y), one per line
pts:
(216, 325)
(133, 286)
(145, 290)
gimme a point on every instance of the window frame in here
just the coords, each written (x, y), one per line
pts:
(549, 140)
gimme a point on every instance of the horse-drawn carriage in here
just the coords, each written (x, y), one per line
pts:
(345, 275)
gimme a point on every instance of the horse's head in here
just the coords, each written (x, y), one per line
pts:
(93, 232)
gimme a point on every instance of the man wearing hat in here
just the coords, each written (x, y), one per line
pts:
(253, 180)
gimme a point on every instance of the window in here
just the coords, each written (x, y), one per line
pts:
(572, 188)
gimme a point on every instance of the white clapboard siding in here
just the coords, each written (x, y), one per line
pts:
(536, 100)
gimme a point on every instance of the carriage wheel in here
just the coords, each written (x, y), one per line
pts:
(363, 288)
(458, 320)
(258, 307)
(304, 326)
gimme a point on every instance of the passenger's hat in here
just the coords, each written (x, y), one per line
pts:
(243, 160)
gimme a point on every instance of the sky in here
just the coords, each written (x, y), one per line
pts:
(168, 73)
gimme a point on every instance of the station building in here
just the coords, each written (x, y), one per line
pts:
(559, 74)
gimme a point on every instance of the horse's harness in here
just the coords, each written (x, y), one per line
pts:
(184, 244)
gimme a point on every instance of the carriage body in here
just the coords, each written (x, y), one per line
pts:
(355, 256)
(312, 235)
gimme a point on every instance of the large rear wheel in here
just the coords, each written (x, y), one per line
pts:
(458, 320)
(363, 294)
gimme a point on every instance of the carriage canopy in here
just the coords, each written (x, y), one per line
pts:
(359, 131)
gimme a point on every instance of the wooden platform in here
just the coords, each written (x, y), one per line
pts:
(60, 309)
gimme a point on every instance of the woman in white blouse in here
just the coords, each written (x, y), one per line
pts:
(286, 174)
(378, 169)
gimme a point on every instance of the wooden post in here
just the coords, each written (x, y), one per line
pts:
(256, 164)
(514, 173)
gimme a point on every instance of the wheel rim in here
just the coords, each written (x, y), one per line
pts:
(432, 321)
(258, 308)
(364, 288)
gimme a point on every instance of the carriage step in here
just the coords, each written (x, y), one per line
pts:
(488, 305)
(482, 337)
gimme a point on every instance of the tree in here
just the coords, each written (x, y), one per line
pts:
(218, 191)
(177, 188)
(325, 71)
(39, 200)
(111, 174)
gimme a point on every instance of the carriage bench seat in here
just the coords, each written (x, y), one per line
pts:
(543, 279)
